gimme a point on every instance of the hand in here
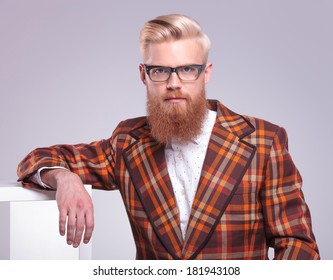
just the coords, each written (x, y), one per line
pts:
(74, 204)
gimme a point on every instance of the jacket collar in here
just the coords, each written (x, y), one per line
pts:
(228, 157)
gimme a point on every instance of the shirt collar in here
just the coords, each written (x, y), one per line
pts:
(207, 127)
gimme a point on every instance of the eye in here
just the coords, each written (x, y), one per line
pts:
(158, 70)
(188, 69)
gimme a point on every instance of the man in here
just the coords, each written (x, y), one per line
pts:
(198, 181)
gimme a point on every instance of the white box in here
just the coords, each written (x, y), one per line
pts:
(29, 222)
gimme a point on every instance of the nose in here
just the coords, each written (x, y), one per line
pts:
(174, 82)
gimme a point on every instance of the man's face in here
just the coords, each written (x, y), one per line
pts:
(175, 105)
(173, 54)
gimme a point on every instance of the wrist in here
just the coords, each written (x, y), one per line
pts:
(55, 177)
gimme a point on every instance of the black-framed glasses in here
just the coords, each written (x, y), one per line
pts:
(186, 73)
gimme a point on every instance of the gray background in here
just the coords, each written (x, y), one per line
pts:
(69, 74)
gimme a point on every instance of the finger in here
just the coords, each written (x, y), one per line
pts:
(89, 226)
(78, 230)
(71, 224)
(62, 222)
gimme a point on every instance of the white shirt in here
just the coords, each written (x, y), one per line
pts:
(184, 162)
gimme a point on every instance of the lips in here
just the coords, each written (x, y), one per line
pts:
(175, 99)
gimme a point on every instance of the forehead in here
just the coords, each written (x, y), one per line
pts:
(175, 53)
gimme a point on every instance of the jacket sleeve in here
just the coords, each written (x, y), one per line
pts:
(93, 162)
(286, 214)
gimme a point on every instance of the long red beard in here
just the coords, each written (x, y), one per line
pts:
(173, 121)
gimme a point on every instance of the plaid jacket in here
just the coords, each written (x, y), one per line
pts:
(249, 196)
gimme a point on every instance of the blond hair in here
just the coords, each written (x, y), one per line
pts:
(172, 27)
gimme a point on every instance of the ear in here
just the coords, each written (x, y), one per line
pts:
(142, 73)
(208, 71)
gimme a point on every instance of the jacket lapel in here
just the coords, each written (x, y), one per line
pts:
(227, 159)
(145, 160)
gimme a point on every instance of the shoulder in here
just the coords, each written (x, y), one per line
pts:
(244, 125)
(267, 133)
(262, 125)
(126, 126)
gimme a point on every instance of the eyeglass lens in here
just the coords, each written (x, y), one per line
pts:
(185, 73)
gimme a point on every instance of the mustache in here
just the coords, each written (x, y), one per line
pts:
(180, 95)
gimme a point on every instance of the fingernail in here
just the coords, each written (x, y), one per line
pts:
(69, 242)
(76, 245)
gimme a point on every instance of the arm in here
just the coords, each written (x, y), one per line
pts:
(93, 163)
(287, 217)
(85, 163)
